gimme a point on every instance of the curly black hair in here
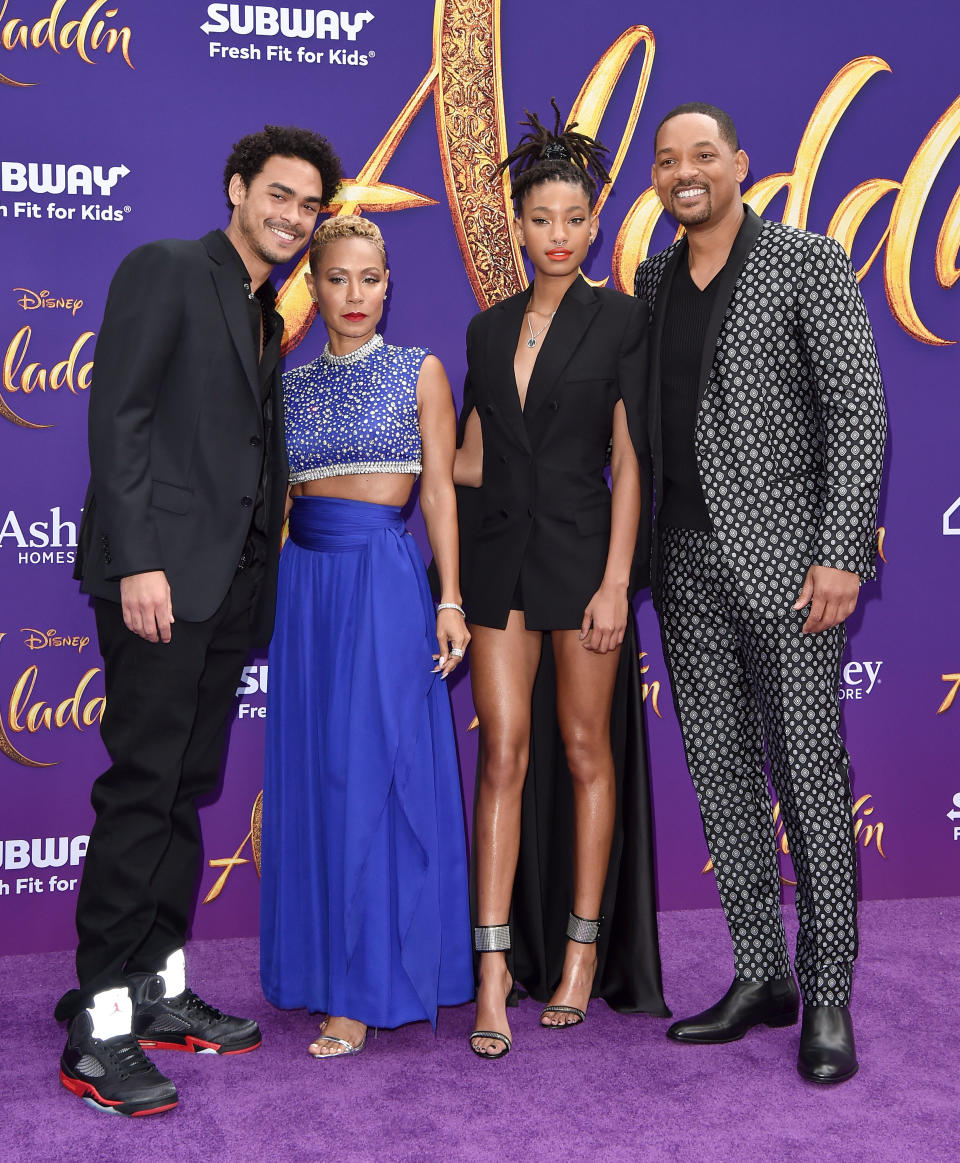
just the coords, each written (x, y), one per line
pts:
(560, 155)
(250, 154)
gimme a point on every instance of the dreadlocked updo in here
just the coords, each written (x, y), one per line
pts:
(560, 155)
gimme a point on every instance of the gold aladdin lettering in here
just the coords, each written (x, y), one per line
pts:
(465, 83)
(86, 36)
(26, 714)
(19, 376)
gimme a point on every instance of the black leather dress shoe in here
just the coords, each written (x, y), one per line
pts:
(745, 1004)
(827, 1053)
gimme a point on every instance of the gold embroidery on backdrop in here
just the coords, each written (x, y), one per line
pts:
(468, 103)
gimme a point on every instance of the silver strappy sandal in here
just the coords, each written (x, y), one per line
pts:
(348, 1051)
(585, 932)
(492, 939)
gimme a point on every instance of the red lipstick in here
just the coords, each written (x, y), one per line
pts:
(354, 316)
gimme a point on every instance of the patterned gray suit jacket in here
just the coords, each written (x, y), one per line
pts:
(791, 420)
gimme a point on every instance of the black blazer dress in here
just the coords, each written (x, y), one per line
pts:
(541, 518)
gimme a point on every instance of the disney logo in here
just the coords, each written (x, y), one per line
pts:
(34, 300)
(41, 639)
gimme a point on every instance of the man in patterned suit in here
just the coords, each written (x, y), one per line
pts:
(767, 429)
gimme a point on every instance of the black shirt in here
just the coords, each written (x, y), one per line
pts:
(681, 350)
(261, 311)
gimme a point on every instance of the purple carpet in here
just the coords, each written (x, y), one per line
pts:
(614, 1089)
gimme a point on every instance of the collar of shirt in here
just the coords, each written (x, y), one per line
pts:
(228, 255)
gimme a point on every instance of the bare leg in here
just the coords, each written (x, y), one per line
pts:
(503, 666)
(585, 682)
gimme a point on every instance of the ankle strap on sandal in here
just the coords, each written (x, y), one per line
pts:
(582, 930)
(491, 938)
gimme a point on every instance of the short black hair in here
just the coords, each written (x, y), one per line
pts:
(250, 155)
(728, 131)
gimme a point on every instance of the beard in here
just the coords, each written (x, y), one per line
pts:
(688, 216)
(259, 243)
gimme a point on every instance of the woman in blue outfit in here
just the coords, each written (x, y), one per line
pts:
(364, 912)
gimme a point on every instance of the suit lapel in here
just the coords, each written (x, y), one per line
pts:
(659, 315)
(502, 338)
(726, 282)
(574, 315)
(238, 322)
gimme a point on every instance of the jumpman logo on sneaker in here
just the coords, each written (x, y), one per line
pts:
(116, 1008)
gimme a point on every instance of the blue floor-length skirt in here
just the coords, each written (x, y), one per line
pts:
(364, 904)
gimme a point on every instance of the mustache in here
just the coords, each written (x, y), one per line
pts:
(296, 231)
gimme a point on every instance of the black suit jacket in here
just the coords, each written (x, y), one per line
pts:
(178, 431)
(542, 514)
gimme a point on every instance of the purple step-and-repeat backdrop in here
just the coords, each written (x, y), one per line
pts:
(117, 117)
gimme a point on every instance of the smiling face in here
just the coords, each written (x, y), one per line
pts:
(349, 283)
(696, 173)
(555, 227)
(275, 214)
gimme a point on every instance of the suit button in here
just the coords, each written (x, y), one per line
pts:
(107, 558)
(255, 442)
(504, 513)
(503, 459)
(246, 502)
(529, 512)
(554, 406)
(489, 409)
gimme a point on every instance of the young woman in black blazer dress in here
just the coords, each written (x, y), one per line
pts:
(554, 396)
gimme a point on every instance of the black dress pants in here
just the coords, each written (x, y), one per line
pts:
(164, 728)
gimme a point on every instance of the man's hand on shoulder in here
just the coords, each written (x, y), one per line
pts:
(831, 595)
(146, 604)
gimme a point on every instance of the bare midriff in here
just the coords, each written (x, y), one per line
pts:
(377, 488)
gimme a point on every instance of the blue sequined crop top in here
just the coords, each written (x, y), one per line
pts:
(354, 413)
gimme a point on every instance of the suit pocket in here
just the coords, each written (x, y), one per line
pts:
(171, 498)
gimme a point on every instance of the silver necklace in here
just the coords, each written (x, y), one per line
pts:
(532, 341)
(374, 343)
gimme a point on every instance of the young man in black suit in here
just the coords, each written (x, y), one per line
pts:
(178, 548)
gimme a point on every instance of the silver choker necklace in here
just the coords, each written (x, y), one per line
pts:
(373, 344)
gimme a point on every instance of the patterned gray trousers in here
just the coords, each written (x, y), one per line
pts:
(741, 680)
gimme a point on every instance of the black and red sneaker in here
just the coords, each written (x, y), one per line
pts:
(113, 1074)
(186, 1022)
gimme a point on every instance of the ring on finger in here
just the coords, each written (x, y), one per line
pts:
(456, 652)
